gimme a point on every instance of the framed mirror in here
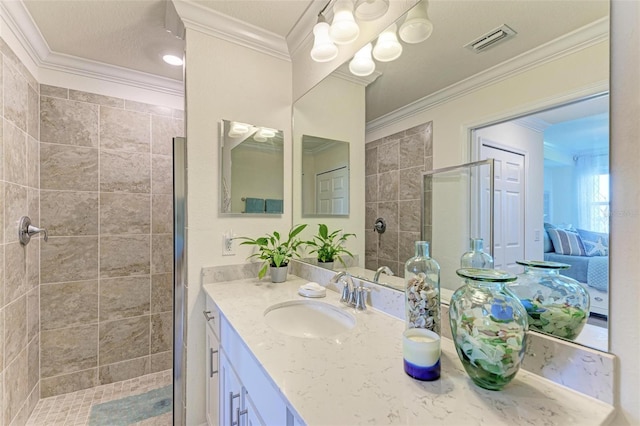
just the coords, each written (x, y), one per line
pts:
(251, 169)
(325, 177)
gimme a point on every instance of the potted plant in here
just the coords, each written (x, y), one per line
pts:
(275, 253)
(329, 246)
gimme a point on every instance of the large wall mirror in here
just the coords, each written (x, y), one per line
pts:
(325, 177)
(423, 111)
(251, 169)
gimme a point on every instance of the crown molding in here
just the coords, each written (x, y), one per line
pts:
(532, 123)
(572, 42)
(21, 24)
(208, 21)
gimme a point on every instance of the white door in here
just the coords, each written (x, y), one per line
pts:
(332, 192)
(508, 228)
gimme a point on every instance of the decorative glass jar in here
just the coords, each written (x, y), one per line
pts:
(488, 327)
(556, 304)
(476, 257)
(422, 290)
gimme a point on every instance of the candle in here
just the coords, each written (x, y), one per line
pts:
(421, 353)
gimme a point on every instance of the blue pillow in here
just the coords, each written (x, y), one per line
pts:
(595, 243)
(548, 245)
(566, 242)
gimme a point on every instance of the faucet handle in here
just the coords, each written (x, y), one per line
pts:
(347, 289)
(361, 297)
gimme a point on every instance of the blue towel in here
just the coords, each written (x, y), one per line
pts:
(254, 205)
(274, 206)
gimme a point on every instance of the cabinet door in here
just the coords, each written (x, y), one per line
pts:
(252, 417)
(213, 378)
(230, 393)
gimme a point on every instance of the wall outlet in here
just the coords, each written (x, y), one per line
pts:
(536, 235)
(228, 248)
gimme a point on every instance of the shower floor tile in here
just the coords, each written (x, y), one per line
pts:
(74, 409)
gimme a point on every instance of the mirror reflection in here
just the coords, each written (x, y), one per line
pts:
(426, 105)
(252, 169)
(325, 177)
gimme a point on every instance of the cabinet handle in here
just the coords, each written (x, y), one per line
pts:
(212, 372)
(240, 413)
(231, 398)
(206, 315)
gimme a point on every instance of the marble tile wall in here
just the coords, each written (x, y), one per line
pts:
(19, 272)
(393, 168)
(106, 272)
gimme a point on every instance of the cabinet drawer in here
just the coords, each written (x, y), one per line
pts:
(212, 315)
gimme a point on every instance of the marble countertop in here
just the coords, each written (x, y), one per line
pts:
(358, 377)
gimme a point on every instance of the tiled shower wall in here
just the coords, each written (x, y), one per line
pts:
(19, 182)
(394, 165)
(106, 272)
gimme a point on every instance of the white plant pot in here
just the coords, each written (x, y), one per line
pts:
(326, 265)
(279, 274)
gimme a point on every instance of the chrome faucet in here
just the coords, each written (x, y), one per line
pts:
(382, 270)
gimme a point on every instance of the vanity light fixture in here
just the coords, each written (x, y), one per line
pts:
(369, 10)
(416, 27)
(238, 129)
(172, 60)
(362, 64)
(388, 48)
(323, 48)
(344, 28)
(263, 134)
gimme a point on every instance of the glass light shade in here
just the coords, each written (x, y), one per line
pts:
(362, 64)
(416, 27)
(172, 60)
(388, 48)
(266, 132)
(368, 10)
(344, 28)
(238, 129)
(323, 49)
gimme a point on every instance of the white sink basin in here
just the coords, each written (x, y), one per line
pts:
(308, 318)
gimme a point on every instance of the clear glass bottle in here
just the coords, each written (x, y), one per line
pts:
(488, 327)
(422, 290)
(476, 257)
(556, 304)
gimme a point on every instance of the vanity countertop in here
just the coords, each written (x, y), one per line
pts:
(358, 377)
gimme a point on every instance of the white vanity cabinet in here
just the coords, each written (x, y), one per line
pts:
(247, 396)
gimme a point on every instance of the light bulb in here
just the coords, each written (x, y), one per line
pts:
(344, 28)
(369, 10)
(416, 27)
(172, 60)
(323, 48)
(362, 64)
(388, 48)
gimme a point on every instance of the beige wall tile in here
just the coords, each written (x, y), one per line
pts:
(124, 130)
(68, 350)
(122, 213)
(33, 313)
(388, 249)
(15, 205)
(68, 304)
(69, 213)
(33, 113)
(79, 255)
(148, 108)
(163, 130)
(15, 389)
(407, 245)
(33, 263)
(33, 363)
(410, 183)
(371, 189)
(124, 255)
(124, 171)
(388, 186)
(161, 292)
(124, 339)
(162, 253)
(68, 167)
(2, 210)
(33, 208)
(15, 267)
(54, 91)
(68, 383)
(124, 297)
(2, 344)
(389, 211)
(33, 163)
(93, 98)
(388, 157)
(124, 370)
(162, 174)
(162, 214)
(161, 361)
(15, 154)
(161, 332)
(409, 215)
(15, 330)
(68, 122)
(411, 150)
(15, 96)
